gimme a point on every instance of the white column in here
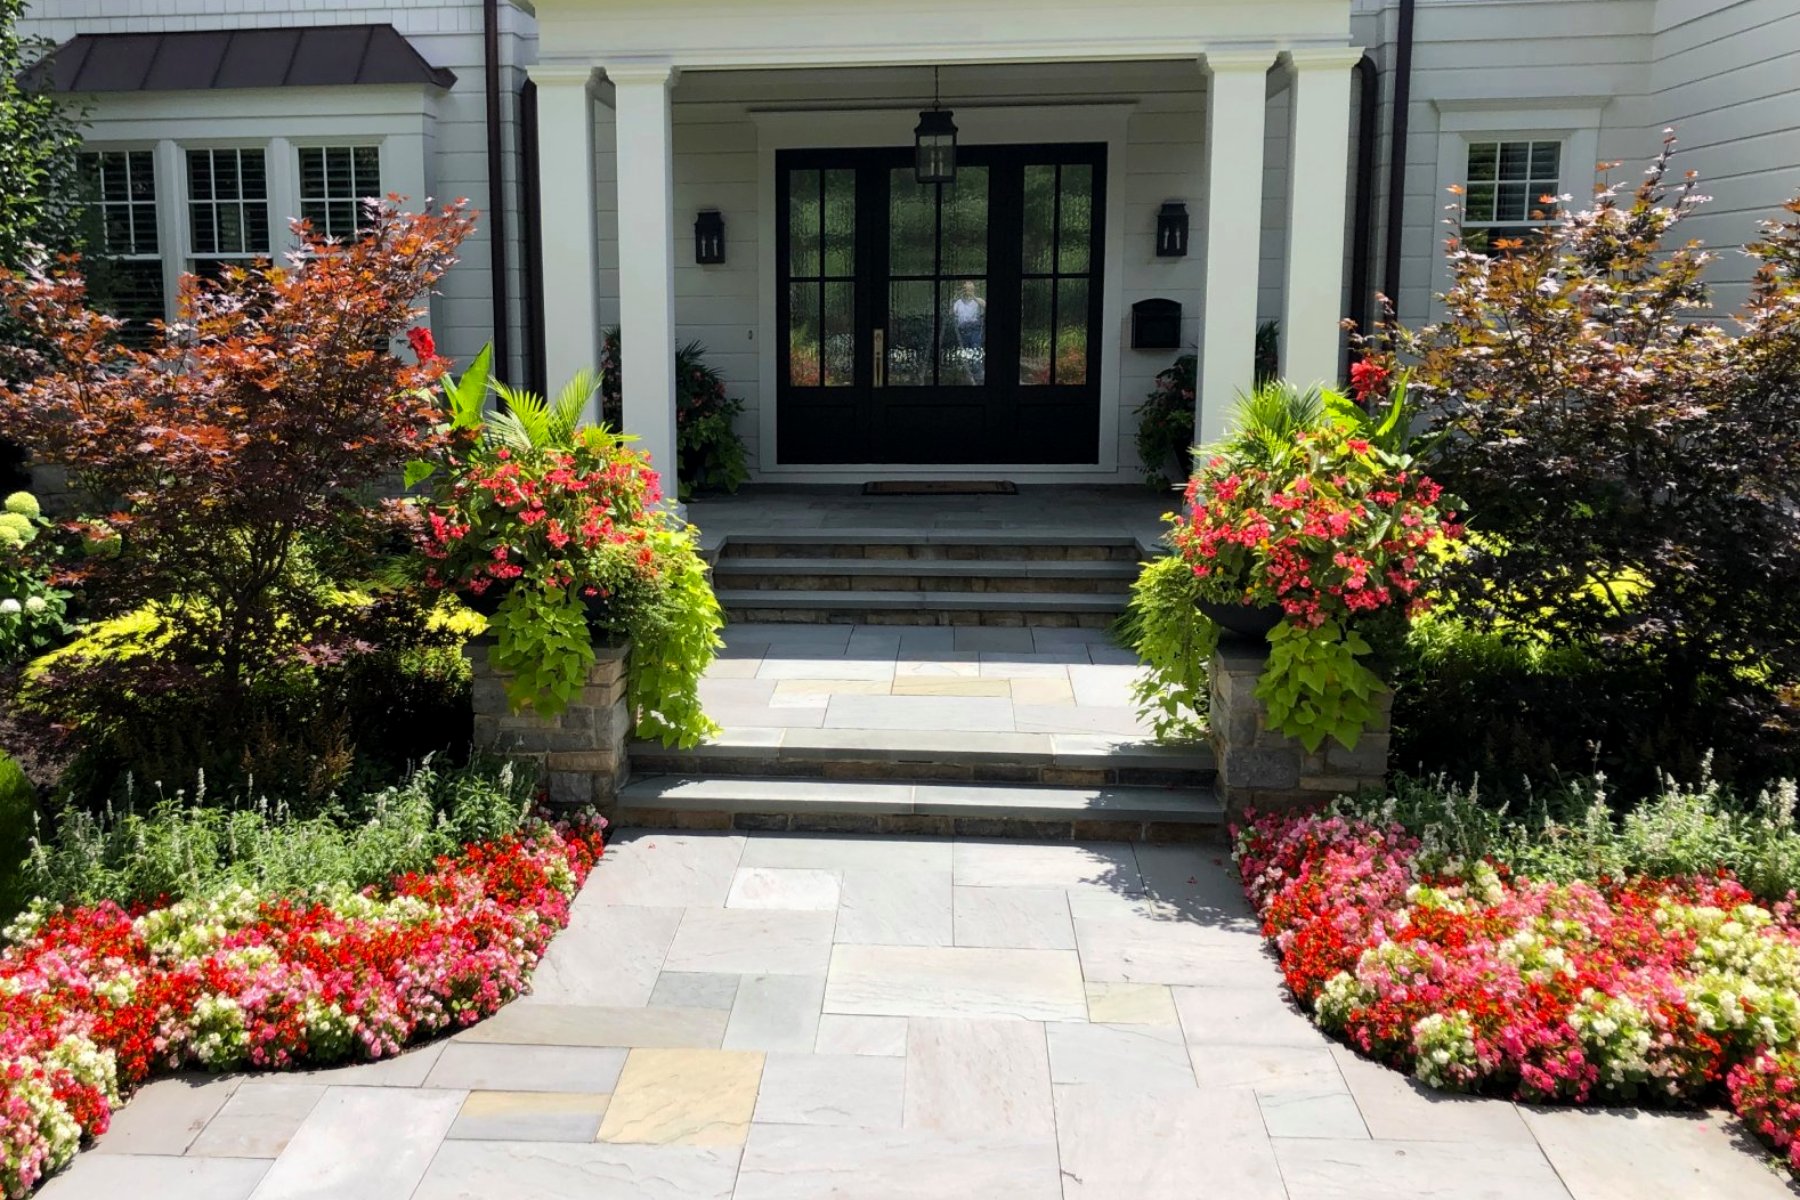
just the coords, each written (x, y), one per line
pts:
(1317, 181)
(1236, 99)
(566, 198)
(647, 258)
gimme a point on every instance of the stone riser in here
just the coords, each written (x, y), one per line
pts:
(726, 578)
(850, 768)
(946, 551)
(917, 825)
(1008, 618)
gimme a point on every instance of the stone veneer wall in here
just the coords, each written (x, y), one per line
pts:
(581, 752)
(1259, 768)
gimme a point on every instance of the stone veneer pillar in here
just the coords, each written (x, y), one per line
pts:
(1259, 768)
(581, 752)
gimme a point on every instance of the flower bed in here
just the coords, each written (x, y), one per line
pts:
(1641, 989)
(94, 1000)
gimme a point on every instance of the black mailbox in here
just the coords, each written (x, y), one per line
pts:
(1156, 325)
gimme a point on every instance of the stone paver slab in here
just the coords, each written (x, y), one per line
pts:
(864, 1091)
(694, 989)
(167, 1115)
(861, 1035)
(1628, 1154)
(990, 1076)
(405, 1070)
(953, 687)
(817, 693)
(513, 1068)
(1243, 1016)
(518, 1170)
(1131, 1004)
(1100, 865)
(111, 1176)
(1125, 1056)
(362, 1144)
(1076, 718)
(950, 664)
(847, 853)
(607, 955)
(530, 1116)
(1011, 641)
(1148, 1145)
(258, 1122)
(752, 941)
(684, 1098)
(794, 1162)
(1297, 1112)
(896, 908)
(1015, 918)
(803, 889)
(776, 1012)
(665, 870)
(589, 1025)
(977, 713)
(1137, 950)
(785, 667)
(1359, 1169)
(1267, 1068)
(956, 981)
(1054, 693)
(1396, 1107)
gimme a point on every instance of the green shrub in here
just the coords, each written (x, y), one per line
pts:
(188, 844)
(18, 820)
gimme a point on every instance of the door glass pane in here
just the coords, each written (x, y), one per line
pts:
(840, 334)
(912, 224)
(911, 324)
(1071, 330)
(840, 223)
(1040, 219)
(964, 250)
(803, 334)
(962, 350)
(1077, 218)
(1034, 331)
(803, 223)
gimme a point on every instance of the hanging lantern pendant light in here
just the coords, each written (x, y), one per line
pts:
(934, 141)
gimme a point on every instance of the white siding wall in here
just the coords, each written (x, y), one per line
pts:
(446, 32)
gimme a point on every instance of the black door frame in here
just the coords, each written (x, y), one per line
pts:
(1000, 421)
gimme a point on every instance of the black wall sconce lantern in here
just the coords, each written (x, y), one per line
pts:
(709, 237)
(1172, 230)
(934, 142)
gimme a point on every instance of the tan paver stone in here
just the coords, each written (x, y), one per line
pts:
(520, 1170)
(257, 1122)
(586, 1025)
(795, 888)
(1629, 1154)
(861, 1035)
(816, 693)
(530, 1116)
(1043, 691)
(684, 1098)
(1359, 1169)
(955, 981)
(990, 1076)
(1130, 1004)
(784, 667)
(951, 687)
(1163, 1145)
(947, 664)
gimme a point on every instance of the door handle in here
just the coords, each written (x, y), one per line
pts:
(878, 339)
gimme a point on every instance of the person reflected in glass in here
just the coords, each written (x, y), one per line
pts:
(969, 311)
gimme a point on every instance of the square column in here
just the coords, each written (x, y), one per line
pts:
(1236, 104)
(1320, 174)
(570, 247)
(647, 258)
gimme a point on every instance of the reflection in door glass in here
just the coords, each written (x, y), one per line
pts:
(962, 353)
(1040, 220)
(965, 224)
(803, 224)
(803, 333)
(912, 225)
(911, 322)
(840, 223)
(1071, 330)
(840, 334)
(1075, 218)
(1056, 245)
(1037, 313)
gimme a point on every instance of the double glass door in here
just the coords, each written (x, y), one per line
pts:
(940, 323)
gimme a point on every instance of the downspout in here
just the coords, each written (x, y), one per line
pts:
(530, 231)
(496, 172)
(1362, 244)
(1396, 199)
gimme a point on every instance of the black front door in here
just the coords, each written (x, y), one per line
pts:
(940, 323)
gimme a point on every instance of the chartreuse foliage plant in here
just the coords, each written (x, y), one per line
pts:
(1174, 641)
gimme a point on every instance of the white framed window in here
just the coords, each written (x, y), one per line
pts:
(122, 189)
(1510, 187)
(228, 207)
(335, 183)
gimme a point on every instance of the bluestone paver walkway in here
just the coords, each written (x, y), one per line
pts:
(784, 1017)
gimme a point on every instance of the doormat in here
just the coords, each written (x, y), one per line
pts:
(942, 487)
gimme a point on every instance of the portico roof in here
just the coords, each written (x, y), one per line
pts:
(197, 60)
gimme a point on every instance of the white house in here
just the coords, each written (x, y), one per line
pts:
(882, 327)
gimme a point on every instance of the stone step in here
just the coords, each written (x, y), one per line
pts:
(1084, 609)
(945, 809)
(974, 545)
(923, 756)
(927, 575)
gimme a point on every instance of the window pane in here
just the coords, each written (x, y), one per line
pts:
(964, 251)
(1040, 219)
(253, 180)
(1546, 161)
(1077, 218)
(1512, 202)
(314, 213)
(1034, 331)
(200, 184)
(312, 172)
(141, 165)
(803, 334)
(366, 160)
(840, 334)
(912, 225)
(132, 291)
(1482, 161)
(962, 352)
(1515, 160)
(840, 223)
(912, 324)
(1071, 330)
(205, 235)
(1480, 205)
(803, 224)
